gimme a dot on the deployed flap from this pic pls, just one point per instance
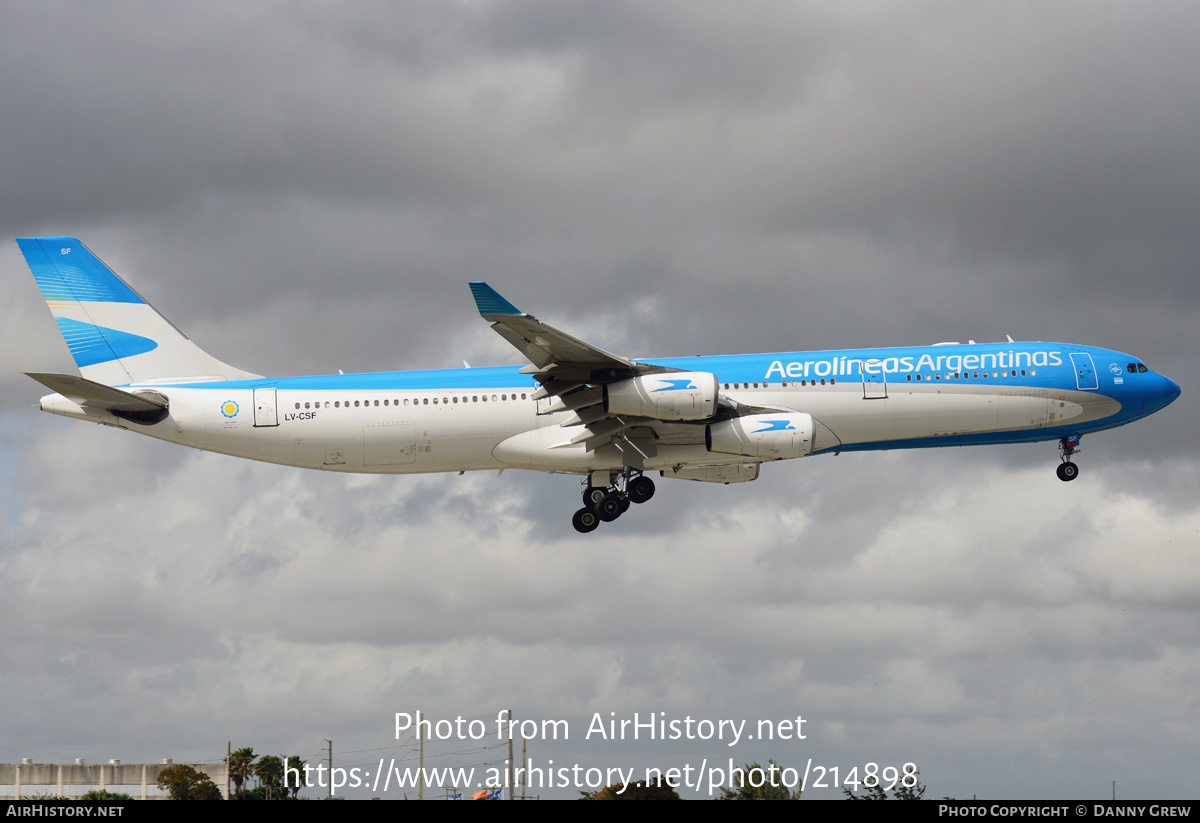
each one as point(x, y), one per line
point(97, 395)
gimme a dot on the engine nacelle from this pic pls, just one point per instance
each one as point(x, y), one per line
point(670, 396)
point(733, 473)
point(766, 436)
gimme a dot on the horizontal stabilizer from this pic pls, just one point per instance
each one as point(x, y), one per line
point(96, 395)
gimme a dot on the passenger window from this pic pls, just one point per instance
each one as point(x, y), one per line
point(406, 401)
point(298, 405)
point(356, 404)
point(425, 401)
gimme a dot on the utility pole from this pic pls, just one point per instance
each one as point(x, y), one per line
point(511, 794)
point(420, 759)
point(330, 742)
point(524, 766)
point(228, 754)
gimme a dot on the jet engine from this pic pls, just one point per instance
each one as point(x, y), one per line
point(669, 396)
point(765, 436)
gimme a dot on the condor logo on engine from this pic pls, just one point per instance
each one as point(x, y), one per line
point(775, 426)
point(672, 385)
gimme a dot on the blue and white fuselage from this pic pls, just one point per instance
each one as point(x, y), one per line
point(575, 408)
point(483, 418)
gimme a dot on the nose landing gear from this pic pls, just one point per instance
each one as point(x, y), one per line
point(1067, 448)
point(607, 504)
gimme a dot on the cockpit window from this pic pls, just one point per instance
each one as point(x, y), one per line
point(1132, 368)
point(1142, 368)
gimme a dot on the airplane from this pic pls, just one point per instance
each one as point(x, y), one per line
point(574, 409)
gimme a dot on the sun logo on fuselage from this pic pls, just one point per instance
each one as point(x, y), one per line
point(229, 408)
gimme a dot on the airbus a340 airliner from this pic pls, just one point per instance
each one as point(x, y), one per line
point(575, 409)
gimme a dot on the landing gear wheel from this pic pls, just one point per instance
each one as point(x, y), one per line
point(611, 507)
point(624, 504)
point(585, 520)
point(592, 496)
point(1067, 472)
point(641, 489)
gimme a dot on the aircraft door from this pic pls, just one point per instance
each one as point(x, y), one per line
point(1085, 370)
point(265, 408)
point(874, 380)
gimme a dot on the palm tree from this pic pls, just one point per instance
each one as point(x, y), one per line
point(241, 767)
point(269, 771)
point(294, 785)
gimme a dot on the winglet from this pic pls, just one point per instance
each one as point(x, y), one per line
point(491, 304)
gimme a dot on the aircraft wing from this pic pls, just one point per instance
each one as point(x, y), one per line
point(572, 371)
point(546, 347)
point(561, 363)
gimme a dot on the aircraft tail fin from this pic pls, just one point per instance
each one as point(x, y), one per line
point(115, 336)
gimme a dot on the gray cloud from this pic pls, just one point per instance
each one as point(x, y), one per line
point(303, 189)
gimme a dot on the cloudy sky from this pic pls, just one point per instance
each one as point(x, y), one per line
point(307, 187)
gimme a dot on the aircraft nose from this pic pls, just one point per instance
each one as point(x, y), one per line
point(1169, 390)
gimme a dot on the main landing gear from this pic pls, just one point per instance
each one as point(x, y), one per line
point(607, 504)
point(1067, 448)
